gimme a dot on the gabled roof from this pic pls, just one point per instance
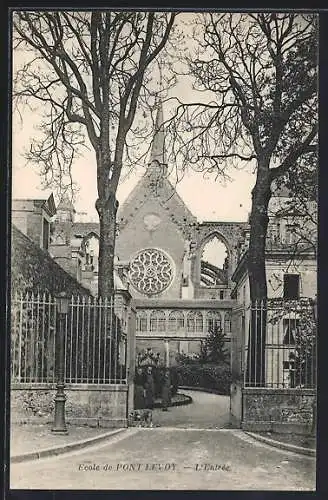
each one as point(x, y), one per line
point(165, 194)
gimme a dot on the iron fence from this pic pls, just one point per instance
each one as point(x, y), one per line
point(95, 340)
point(280, 347)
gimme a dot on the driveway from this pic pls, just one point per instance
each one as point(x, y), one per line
point(207, 411)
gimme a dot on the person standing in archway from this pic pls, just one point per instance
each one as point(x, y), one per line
point(139, 389)
point(149, 388)
point(166, 390)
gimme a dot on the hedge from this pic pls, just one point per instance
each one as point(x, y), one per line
point(206, 375)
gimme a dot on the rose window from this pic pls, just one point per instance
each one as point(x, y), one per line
point(151, 271)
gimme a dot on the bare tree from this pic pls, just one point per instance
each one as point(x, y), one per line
point(260, 71)
point(91, 72)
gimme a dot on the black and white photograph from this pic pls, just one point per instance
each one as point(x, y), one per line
point(163, 276)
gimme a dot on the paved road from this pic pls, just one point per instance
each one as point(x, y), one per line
point(166, 458)
point(207, 411)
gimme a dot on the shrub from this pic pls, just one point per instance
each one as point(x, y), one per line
point(205, 375)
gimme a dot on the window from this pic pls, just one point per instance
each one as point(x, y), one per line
point(199, 322)
point(290, 326)
point(227, 322)
point(153, 321)
point(176, 320)
point(161, 321)
point(221, 294)
point(213, 320)
point(157, 321)
point(141, 321)
point(291, 286)
point(290, 234)
point(191, 322)
point(46, 229)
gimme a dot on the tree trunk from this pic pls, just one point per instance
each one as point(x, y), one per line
point(257, 279)
point(107, 210)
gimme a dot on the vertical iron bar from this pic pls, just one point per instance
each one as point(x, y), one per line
point(20, 338)
point(255, 357)
point(105, 338)
point(262, 353)
point(14, 341)
point(37, 367)
point(66, 339)
point(26, 338)
point(111, 340)
point(115, 346)
point(280, 320)
point(71, 341)
point(99, 337)
point(94, 339)
point(82, 339)
point(32, 347)
point(88, 339)
point(76, 353)
point(43, 336)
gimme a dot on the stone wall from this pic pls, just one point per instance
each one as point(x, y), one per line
point(278, 410)
point(86, 404)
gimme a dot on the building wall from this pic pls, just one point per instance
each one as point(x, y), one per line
point(135, 237)
point(28, 217)
point(275, 270)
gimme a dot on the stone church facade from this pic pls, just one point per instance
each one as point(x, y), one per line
point(179, 296)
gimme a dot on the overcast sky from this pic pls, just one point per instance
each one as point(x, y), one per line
point(207, 198)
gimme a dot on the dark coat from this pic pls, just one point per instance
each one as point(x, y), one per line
point(150, 390)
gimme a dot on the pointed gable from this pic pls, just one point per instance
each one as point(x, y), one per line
point(165, 195)
point(154, 185)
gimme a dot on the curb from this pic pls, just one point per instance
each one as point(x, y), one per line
point(183, 402)
point(201, 389)
point(283, 446)
point(58, 450)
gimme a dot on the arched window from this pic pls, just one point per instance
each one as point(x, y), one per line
point(161, 321)
point(176, 321)
point(157, 321)
point(214, 263)
point(191, 321)
point(213, 320)
point(141, 321)
point(227, 322)
point(199, 321)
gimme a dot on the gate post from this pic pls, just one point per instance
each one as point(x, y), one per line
point(131, 356)
point(237, 363)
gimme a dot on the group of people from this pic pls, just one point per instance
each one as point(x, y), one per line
point(151, 382)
